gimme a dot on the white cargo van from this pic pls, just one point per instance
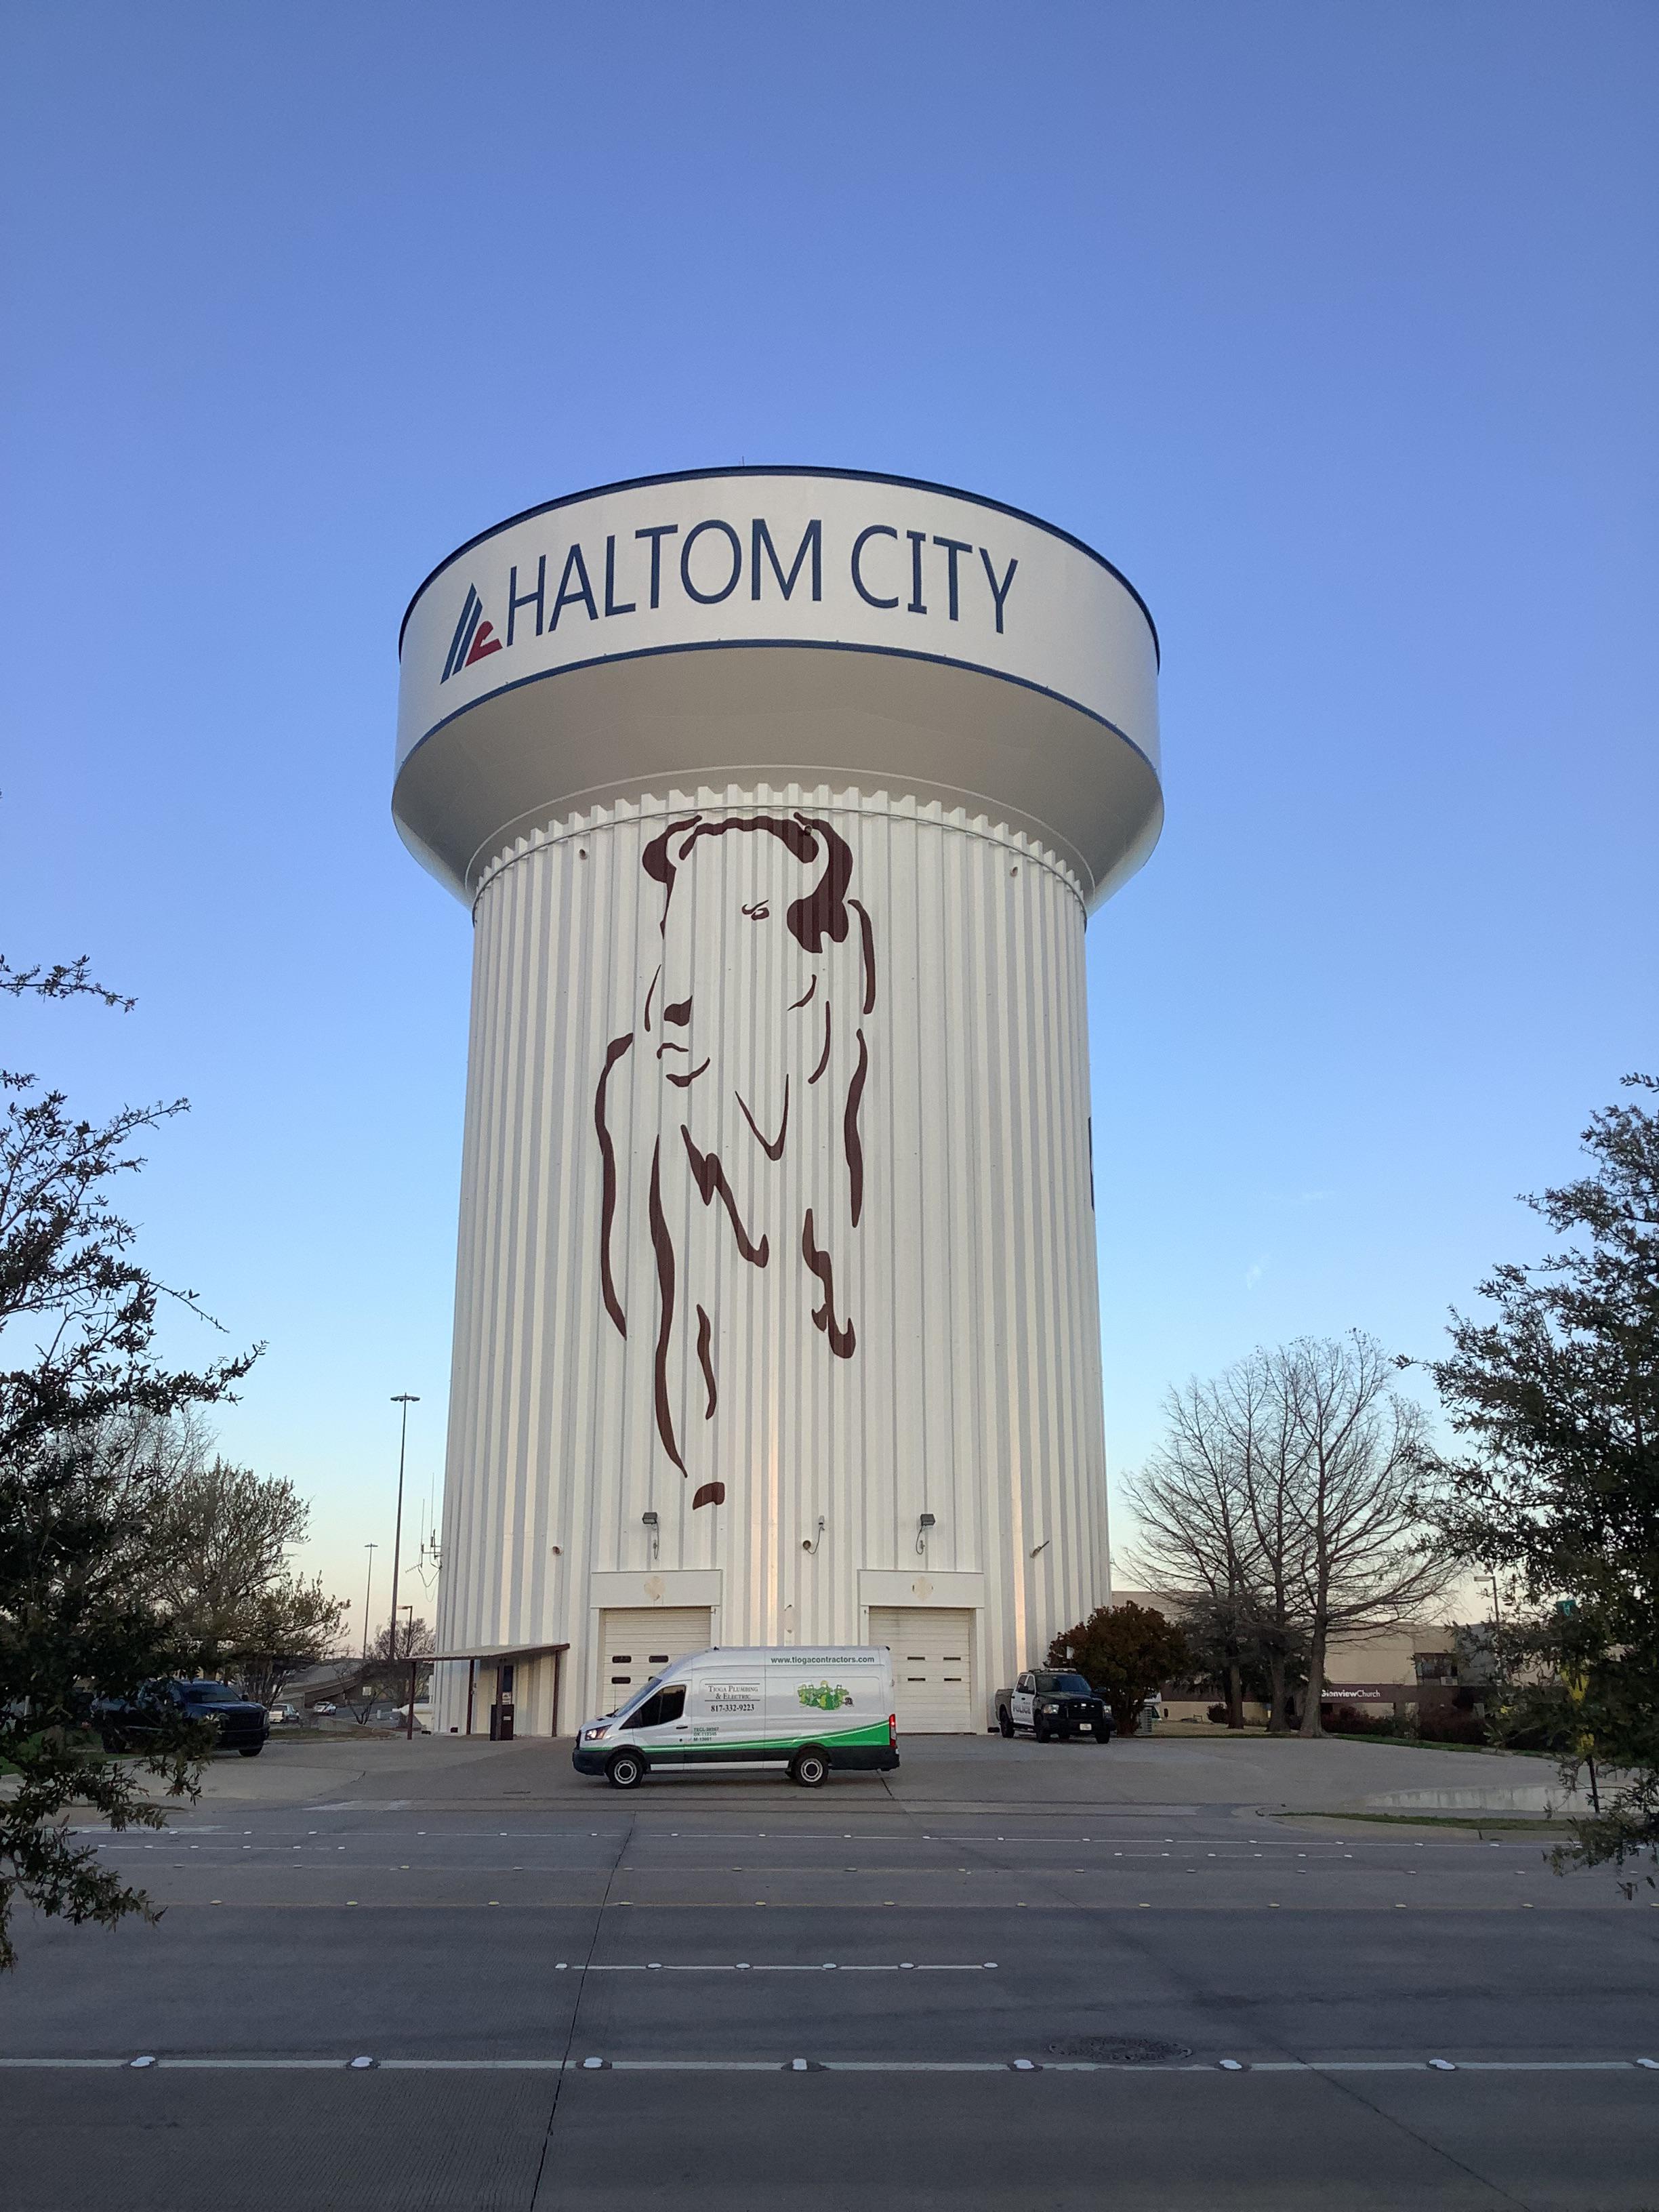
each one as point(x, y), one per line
point(809, 1711)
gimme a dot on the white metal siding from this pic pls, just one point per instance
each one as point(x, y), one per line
point(974, 1393)
point(932, 1649)
point(634, 1645)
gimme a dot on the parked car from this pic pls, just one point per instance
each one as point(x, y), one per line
point(1053, 1704)
point(124, 1723)
point(283, 1714)
point(326, 1708)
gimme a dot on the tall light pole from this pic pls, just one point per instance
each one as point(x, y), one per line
point(406, 1399)
point(368, 1591)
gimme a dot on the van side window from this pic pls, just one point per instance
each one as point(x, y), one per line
point(667, 1705)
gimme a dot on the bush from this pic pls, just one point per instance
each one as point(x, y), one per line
point(1349, 1720)
point(1218, 1714)
point(1445, 1724)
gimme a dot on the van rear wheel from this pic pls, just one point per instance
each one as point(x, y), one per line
point(626, 1771)
point(810, 1768)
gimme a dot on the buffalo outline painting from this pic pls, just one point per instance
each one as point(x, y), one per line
point(726, 1110)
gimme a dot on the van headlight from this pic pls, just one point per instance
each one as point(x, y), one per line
point(594, 1734)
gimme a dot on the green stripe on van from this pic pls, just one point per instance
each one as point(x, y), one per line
point(873, 1732)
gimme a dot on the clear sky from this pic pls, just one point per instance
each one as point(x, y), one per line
point(1333, 327)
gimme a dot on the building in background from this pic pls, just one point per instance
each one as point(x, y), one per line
point(778, 798)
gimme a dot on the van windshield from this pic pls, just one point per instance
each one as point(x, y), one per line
point(627, 1712)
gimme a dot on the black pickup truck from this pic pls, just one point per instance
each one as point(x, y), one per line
point(1054, 1704)
point(128, 1723)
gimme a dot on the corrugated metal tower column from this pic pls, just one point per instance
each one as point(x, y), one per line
point(795, 1225)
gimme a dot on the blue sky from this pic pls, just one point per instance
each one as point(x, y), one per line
point(1333, 326)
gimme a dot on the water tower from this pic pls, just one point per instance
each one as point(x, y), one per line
point(780, 798)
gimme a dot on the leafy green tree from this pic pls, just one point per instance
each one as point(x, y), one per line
point(1127, 1651)
point(289, 1625)
point(84, 1401)
point(220, 1538)
point(1556, 1395)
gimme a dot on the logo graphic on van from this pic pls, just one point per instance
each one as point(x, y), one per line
point(829, 1697)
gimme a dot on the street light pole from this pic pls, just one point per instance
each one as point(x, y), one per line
point(409, 1652)
point(368, 1591)
point(404, 1399)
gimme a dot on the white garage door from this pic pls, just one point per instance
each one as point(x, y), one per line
point(932, 1649)
point(634, 1646)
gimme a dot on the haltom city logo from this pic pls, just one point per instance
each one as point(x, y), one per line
point(474, 638)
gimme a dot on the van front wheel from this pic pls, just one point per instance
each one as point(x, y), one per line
point(810, 1768)
point(626, 1771)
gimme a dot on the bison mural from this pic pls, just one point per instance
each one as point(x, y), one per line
point(752, 1033)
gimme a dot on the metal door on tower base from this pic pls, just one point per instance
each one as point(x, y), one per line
point(932, 1649)
point(635, 1644)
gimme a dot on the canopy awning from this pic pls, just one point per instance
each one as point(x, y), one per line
point(495, 1653)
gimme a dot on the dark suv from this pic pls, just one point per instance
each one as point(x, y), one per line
point(124, 1723)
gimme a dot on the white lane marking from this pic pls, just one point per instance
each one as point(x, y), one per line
point(859, 2065)
point(76, 2061)
point(703, 2065)
point(924, 2066)
point(813, 1967)
point(258, 2065)
point(477, 2065)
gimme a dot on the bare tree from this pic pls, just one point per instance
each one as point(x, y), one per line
point(1190, 1500)
point(1286, 1508)
point(386, 1673)
point(1218, 1527)
point(1363, 1562)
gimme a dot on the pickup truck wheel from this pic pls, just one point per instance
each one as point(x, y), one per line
point(1040, 1731)
point(810, 1768)
point(1004, 1723)
point(626, 1771)
point(250, 1750)
point(1103, 1732)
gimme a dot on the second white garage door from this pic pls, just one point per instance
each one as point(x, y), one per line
point(932, 1649)
point(635, 1645)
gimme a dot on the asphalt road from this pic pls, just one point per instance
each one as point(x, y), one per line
point(1026, 1981)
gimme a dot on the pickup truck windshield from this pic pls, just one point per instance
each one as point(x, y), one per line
point(209, 1693)
point(1065, 1686)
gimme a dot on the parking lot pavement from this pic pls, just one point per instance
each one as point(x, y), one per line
point(739, 1993)
point(1206, 1768)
